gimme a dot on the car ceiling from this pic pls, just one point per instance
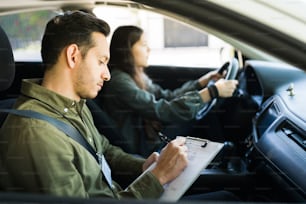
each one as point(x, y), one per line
point(224, 23)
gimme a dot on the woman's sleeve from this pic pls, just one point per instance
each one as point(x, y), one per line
point(168, 94)
point(181, 108)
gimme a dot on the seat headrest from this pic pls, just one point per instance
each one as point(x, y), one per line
point(7, 63)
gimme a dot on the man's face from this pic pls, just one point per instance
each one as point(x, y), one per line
point(92, 70)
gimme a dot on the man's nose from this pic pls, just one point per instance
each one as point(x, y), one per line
point(106, 74)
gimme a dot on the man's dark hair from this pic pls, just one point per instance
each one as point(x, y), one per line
point(123, 39)
point(72, 27)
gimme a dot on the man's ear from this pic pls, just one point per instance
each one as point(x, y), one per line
point(72, 55)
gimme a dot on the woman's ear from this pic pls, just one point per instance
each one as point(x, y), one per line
point(72, 55)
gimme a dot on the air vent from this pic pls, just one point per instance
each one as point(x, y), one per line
point(276, 108)
point(294, 134)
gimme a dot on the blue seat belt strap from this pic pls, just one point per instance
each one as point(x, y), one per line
point(69, 130)
point(64, 127)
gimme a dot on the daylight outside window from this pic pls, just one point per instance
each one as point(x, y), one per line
point(26, 45)
point(172, 43)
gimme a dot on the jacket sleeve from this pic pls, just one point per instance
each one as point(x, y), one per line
point(184, 107)
point(46, 160)
point(144, 186)
point(52, 163)
point(168, 94)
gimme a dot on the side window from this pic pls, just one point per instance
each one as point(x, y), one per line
point(25, 31)
point(171, 42)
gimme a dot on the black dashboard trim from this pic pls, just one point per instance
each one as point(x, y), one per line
point(279, 150)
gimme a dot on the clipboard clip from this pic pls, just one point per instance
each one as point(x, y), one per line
point(205, 141)
point(204, 144)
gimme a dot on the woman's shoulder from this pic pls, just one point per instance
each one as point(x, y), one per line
point(119, 80)
point(119, 75)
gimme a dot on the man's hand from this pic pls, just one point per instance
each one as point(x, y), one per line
point(150, 160)
point(172, 161)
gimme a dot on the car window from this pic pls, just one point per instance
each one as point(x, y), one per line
point(168, 39)
point(25, 31)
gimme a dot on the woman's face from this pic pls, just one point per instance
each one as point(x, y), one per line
point(140, 52)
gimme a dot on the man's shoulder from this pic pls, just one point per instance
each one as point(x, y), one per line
point(20, 124)
point(18, 129)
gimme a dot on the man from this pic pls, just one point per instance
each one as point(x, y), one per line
point(37, 157)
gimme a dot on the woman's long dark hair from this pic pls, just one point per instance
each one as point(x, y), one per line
point(123, 39)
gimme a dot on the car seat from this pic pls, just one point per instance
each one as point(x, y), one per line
point(7, 64)
point(107, 126)
point(7, 73)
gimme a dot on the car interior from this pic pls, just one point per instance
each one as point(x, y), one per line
point(263, 127)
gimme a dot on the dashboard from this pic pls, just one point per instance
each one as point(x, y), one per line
point(279, 127)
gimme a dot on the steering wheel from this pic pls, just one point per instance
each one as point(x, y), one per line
point(232, 69)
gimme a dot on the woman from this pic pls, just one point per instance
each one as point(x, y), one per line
point(141, 108)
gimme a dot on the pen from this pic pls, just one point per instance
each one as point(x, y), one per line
point(164, 138)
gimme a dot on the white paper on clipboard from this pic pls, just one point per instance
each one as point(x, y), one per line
point(199, 157)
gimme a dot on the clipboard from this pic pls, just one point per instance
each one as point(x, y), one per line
point(200, 154)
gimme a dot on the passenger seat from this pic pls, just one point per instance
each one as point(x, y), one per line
point(7, 73)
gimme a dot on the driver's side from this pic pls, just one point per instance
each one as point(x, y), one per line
point(141, 108)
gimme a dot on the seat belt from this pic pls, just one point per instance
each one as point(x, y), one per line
point(72, 132)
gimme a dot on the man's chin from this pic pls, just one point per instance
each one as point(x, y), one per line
point(94, 96)
point(91, 96)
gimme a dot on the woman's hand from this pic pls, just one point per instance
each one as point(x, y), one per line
point(226, 88)
point(212, 75)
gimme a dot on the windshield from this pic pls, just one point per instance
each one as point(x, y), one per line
point(287, 16)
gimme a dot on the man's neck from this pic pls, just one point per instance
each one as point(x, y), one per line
point(59, 83)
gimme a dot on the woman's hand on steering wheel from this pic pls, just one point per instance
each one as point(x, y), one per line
point(230, 70)
point(214, 75)
point(226, 88)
